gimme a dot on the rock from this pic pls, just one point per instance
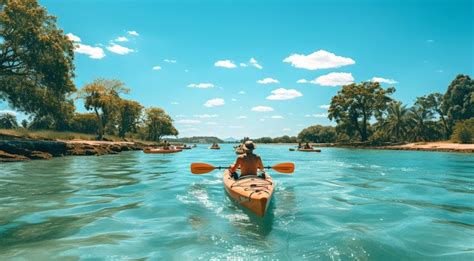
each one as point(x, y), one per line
point(7, 157)
point(25, 147)
point(40, 155)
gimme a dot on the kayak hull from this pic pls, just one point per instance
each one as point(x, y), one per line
point(252, 192)
point(309, 150)
point(161, 151)
point(211, 148)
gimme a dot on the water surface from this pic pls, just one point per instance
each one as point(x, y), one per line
point(339, 204)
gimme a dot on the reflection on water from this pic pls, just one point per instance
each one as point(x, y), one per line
point(340, 204)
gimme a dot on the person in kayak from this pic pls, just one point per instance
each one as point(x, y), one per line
point(248, 162)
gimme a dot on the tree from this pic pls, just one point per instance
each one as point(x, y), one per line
point(129, 116)
point(8, 121)
point(36, 62)
point(158, 124)
point(24, 124)
point(458, 101)
point(464, 131)
point(355, 104)
point(433, 103)
point(318, 134)
point(396, 123)
point(84, 123)
point(103, 98)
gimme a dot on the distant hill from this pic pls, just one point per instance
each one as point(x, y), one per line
point(198, 139)
point(231, 140)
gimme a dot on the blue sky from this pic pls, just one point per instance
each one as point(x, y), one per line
point(418, 45)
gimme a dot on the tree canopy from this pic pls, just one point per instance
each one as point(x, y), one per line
point(158, 124)
point(36, 62)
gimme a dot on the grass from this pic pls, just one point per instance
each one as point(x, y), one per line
point(50, 135)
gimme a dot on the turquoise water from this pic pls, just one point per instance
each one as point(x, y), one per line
point(340, 204)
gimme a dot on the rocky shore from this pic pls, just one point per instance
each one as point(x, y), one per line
point(440, 146)
point(12, 150)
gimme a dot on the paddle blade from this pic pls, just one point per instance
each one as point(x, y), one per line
point(287, 167)
point(201, 168)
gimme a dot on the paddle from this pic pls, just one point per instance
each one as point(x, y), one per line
point(202, 168)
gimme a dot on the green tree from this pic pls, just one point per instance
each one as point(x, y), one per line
point(318, 134)
point(464, 131)
point(24, 124)
point(8, 121)
point(355, 104)
point(158, 124)
point(129, 116)
point(103, 98)
point(396, 124)
point(84, 123)
point(433, 104)
point(458, 101)
point(36, 62)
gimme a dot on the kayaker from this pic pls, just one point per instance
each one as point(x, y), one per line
point(166, 145)
point(248, 162)
point(307, 146)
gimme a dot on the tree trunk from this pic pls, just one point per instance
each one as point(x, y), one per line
point(100, 131)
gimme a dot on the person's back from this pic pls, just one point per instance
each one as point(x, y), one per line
point(249, 163)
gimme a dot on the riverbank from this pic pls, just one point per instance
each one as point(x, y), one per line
point(440, 146)
point(15, 146)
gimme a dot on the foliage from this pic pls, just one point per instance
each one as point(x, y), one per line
point(318, 134)
point(198, 139)
point(129, 116)
point(432, 104)
point(84, 123)
point(458, 101)
point(103, 98)
point(158, 124)
point(464, 131)
point(355, 104)
point(36, 62)
point(285, 139)
point(8, 121)
point(24, 124)
point(395, 126)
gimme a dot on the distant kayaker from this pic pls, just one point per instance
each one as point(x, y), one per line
point(166, 145)
point(307, 146)
point(248, 162)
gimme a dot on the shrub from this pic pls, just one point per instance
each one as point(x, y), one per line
point(464, 131)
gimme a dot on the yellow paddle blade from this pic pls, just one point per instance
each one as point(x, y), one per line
point(201, 168)
point(287, 167)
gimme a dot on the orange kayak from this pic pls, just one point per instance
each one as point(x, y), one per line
point(251, 192)
point(161, 151)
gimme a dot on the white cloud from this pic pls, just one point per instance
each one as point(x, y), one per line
point(242, 117)
point(211, 123)
point(262, 109)
point(206, 116)
point(317, 115)
point(73, 37)
point(169, 61)
point(262, 119)
point(180, 116)
point(225, 64)
point(383, 80)
point(156, 68)
point(93, 52)
point(277, 117)
point(188, 121)
point(334, 79)
point(254, 63)
point(286, 129)
point(326, 107)
point(318, 60)
point(242, 92)
point(174, 103)
point(234, 100)
point(118, 49)
point(121, 39)
point(302, 81)
point(201, 85)
point(134, 33)
point(284, 94)
point(243, 65)
point(268, 80)
point(214, 102)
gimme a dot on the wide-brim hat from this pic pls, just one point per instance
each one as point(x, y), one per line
point(249, 145)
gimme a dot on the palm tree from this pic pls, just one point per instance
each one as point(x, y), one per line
point(8, 121)
point(418, 119)
point(396, 123)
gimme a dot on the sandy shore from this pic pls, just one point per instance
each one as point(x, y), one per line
point(433, 146)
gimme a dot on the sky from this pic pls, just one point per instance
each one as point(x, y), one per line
point(264, 68)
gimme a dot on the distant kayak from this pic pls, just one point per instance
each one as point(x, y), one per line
point(291, 149)
point(184, 147)
point(161, 151)
point(309, 150)
point(251, 192)
point(214, 148)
